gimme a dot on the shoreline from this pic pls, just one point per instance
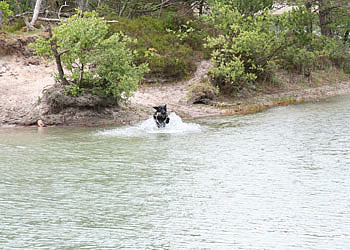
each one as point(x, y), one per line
point(222, 109)
point(21, 84)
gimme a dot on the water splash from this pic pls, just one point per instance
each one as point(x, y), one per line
point(175, 126)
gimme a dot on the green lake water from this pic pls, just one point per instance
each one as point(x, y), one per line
point(279, 179)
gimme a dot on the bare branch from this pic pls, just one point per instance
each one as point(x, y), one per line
point(36, 12)
point(62, 52)
point(52, 20)
point(28, 24)
point(59, 11)
point(163, 5)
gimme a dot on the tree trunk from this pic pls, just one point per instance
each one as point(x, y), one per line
point(36, 12)
point(1, 17)
point(325, 19)
point(100, 3)
point(81, 75)
point(325, 30)
point(123, 8)
point(83, 4)
point(346, 36)
point(29, 26)
point(53, 44)
point(308, 6)
point(161, 9)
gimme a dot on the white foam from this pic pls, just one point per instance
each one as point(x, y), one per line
point(175, 126)
point(7, 126)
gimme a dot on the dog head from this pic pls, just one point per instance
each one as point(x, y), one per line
point(161, 109)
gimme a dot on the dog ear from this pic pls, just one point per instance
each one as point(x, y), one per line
point(156, 108)
point(165, 107)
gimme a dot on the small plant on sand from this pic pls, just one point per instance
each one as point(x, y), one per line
point(95, 60)
point(202, 92)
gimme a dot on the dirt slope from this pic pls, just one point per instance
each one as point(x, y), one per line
point(21, 83)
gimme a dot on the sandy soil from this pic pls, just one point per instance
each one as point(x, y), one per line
point(21, 83)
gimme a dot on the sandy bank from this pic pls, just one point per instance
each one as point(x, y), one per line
point(21, 85)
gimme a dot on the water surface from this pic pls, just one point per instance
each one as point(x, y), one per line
point(274, 180)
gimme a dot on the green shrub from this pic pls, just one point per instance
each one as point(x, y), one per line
point(298, 60)
point(167, 55)
point(338, 54)
point(242, 54)
point(320, 53)
point(202, 92)
point(94, 60)
point(307, 51)
point(4, 8)
point(17, 25)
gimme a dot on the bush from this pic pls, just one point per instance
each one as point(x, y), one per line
point(338, 54)
point(299, 60)
point(202, 93)
point(94, 60)
point(166, 54)
point(321, 53)
point(308, 51)
point(15, 27)
point(243, 52)
point(6, 12)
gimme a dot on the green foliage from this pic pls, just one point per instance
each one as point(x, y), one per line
point(4, 8)
point(94, 59)
point(118, 76)
point(202, 90)
point(20, 6)
point(308, 51)
point(242, 54)
point(16, 26)
point(74, 90)
point(168, 56)
point(248, 8)
point(298, 59)
point(184, 31)
point(295, 26)
point(248, 48)
point(81, 37)
point(41, 47)
point(337, 52)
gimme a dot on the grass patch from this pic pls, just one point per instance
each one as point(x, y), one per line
point(18, 27)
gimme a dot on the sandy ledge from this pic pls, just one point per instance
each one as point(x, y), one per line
point(22, 83)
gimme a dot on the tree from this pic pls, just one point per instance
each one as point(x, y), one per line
point(333, 15)
point(93, 59)
point(36, 12)
point(246, 7)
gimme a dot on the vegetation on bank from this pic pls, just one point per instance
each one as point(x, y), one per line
point(245, 41)
point(94, 60)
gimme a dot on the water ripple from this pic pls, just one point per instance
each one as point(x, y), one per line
point(274, 180)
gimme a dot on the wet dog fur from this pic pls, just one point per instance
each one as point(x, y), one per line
point(161, 116)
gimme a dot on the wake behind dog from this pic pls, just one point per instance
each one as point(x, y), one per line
point(148, 127)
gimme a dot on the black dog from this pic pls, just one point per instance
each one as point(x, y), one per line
point(161, 116)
